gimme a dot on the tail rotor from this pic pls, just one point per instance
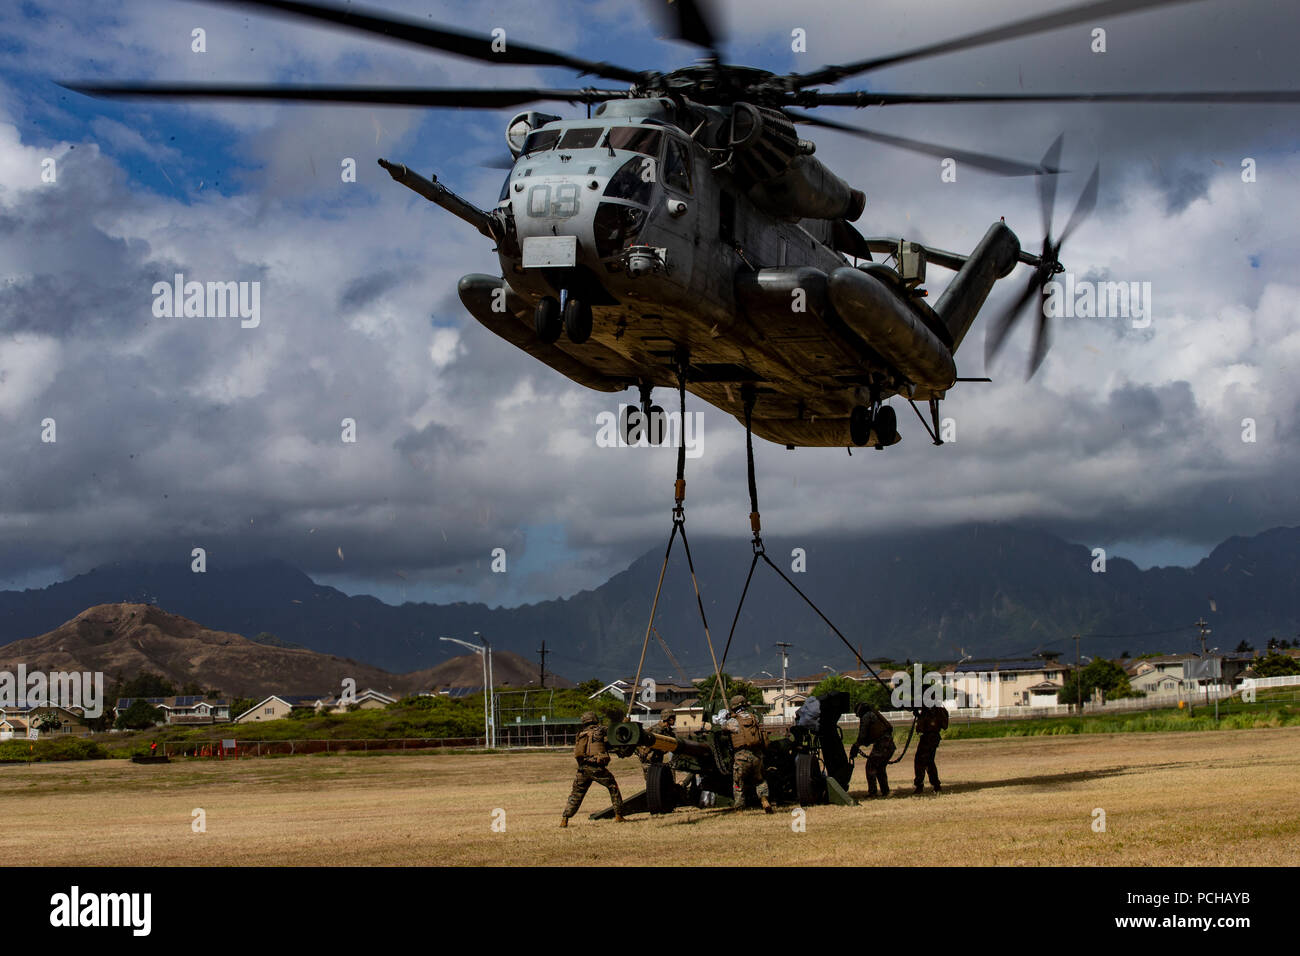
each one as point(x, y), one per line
point(1046, 265)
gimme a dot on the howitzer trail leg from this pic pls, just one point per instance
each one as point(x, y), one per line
point(606, 779)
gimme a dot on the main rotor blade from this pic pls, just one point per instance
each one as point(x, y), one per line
point(382, 23)
point(373, 95)
point(1047, 185)
point(863, 98)
point(693, 22)
point(1084, 207)
point(1020, 28)
point(996, 164)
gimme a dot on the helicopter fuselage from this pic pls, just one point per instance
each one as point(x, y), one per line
point(627, 212)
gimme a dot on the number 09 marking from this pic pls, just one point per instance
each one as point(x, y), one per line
point(562, 204)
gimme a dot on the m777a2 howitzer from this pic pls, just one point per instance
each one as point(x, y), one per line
point(806, 767)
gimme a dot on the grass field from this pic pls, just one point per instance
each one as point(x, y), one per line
point(1169, 799)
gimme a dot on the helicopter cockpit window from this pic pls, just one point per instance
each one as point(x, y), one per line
point(583, 138)
point(634, 181)
point(636, 138)
point(614, 226)
point(677, 166)
point(541, 140)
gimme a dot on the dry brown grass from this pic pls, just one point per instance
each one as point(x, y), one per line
point(1170, 799)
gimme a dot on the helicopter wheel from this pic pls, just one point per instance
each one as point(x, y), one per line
point(632, 424)
point(577, 320)
point(546, 319)
point(860, 423)
point(656, 424)
point(886, 426)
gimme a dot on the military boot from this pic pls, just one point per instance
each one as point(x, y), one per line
point(619, 818)
point(767, 805)
point(918, 790)
point(564, 821)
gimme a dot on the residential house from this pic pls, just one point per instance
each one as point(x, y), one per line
point(365, 700)
point(21, 721)
point(278, 706)
point(1021, 683)
point(185, 710)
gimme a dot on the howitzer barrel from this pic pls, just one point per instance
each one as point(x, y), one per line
point(439, 194)
point(632, 734)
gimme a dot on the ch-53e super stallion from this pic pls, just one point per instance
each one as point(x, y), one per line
point(684, 235)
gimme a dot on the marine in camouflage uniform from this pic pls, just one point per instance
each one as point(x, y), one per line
point(592, 755)
point(648, 755)
point(930, 723)
point(876, 732)
point(747, 754)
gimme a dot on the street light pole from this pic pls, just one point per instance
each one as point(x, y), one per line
point(484, 653)
point(492, 712)
point(785, 700)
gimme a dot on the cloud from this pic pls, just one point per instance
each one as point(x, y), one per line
point(175, 433)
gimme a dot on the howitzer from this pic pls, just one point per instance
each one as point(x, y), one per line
point(705, 762)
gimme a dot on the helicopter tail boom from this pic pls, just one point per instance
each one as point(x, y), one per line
point(993, 259)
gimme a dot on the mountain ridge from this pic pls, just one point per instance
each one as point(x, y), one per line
point(988, 589)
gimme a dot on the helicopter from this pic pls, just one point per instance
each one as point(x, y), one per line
point(683, 235)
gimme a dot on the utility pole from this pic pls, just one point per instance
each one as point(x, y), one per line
point(542, 651)
point(1078, 675)
point(1203, 624)
point(785, 659)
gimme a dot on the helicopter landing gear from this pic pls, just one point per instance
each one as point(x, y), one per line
point(577, 320)
point(652, 421)
point(860, 420)
point(546, 320)
point(886, 424)
point(883, 421)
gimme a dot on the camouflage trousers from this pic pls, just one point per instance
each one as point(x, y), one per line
point(878, 764)
point(924, 764)
point(582, 780)
point(747, 766)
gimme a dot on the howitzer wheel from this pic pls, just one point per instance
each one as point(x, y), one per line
point(660, 790)
point(808, 783)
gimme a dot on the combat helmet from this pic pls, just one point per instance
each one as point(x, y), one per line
point(588, 717)
point(737, 702)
